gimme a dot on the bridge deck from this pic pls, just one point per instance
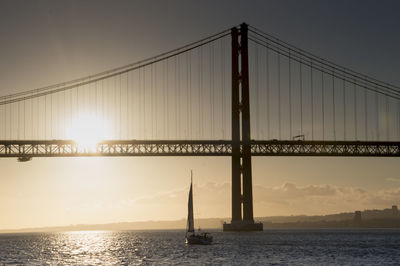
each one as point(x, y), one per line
point(68, 148)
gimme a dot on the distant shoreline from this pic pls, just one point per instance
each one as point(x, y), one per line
point(277, 227)
point(385, 219)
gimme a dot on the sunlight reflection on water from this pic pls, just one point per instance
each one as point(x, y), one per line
point(82, 247)
point(298, 247)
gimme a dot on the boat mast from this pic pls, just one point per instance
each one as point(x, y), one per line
point(190, 221)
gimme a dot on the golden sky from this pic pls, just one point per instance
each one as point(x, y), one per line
point(47, 42)
point(63, 191)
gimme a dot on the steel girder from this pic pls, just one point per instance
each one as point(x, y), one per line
point(325, 148)
point(69, 148)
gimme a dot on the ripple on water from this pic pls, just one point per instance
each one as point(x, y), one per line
point(300, 247)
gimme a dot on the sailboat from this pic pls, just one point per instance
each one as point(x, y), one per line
point(191, 237)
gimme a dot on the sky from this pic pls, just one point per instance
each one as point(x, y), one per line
point(47, 42)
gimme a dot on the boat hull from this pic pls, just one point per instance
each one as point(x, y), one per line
point(198, 240)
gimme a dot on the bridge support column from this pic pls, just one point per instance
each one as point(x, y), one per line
point(241, 145)
point(236, 164)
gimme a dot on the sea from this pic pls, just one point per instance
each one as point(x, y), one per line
point(270, 247)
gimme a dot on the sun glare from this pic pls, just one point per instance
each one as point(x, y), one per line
point(87, 130)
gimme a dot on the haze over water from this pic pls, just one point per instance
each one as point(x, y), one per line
point(290, 246)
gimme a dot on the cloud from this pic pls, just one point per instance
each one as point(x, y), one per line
point(321, 199)
point(391, 179)
point(214, 200)
point(210, 200)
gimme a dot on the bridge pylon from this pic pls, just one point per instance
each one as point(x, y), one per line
point(242, 191)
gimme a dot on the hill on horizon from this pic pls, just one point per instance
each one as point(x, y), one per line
point(212, 223)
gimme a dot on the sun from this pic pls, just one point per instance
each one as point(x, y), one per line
point(88, 130)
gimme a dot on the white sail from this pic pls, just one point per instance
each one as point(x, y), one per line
point(192, 238)
point(190, 220)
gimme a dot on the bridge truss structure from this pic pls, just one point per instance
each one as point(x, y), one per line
point(25, 150)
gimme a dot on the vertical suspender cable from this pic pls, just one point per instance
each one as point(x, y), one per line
point(257, 92)
point(50, 96)
point(37, 117)
point(312, 100)
point(211, 88)
point(6, 107)
point(152, 98)
point(323, 106)
point(135, 106)
point(387, 117)
point(156, 102)
point(70, 111)
point(187, 97)
point(144, 104)
point(279, 97)
point(45, 117)
point(366, 114)
point(290, 96)
point(102, 99)
point(201, 92)
point(153, 103)
point(164, 98)
point(333, 106)
point(267, 94)
point(4, 125)
point(10, 120)
point(398, 120)
point(7, 127)
point(175, 98)
point(301, 97)
point(178, 72)
point(95, 97)
point(344, 109)
point(18, 115)
point(140, 104)
point(75, 116)
point(135, 87)
point(223, 86)
point(107, 100)
point(24, 118)
point(120, 107)
point(10, 114)
point(65, 115)
point(200, 58)
point(35, 130)
point(115, 108)
point(51, 116)
point(57, 117)
point(167, 99)
point(31, 133)
point(190, 94)
point(5, 120)
point(128, 113)
point(377, 115)
point(355, 111)
point(134, 109)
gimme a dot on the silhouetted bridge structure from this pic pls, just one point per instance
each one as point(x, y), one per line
point(195, 101)
point(68, 148)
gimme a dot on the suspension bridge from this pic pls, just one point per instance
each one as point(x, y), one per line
point(195, 101)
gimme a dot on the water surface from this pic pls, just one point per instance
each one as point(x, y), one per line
point(292, 246)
